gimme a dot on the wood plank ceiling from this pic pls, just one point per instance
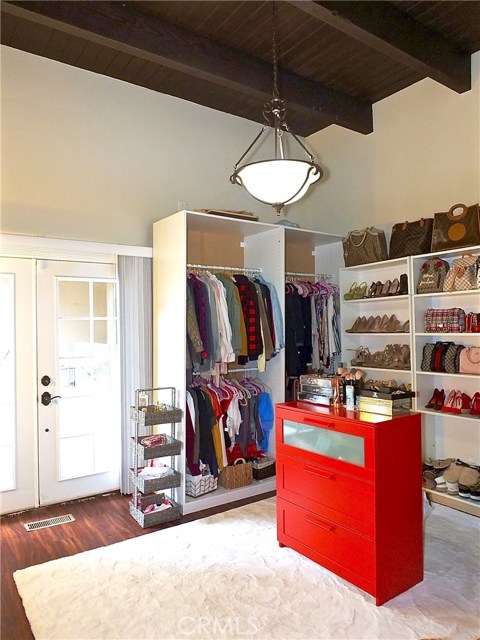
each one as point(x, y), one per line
point(336, 58)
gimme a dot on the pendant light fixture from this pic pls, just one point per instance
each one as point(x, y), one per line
point(281, 180)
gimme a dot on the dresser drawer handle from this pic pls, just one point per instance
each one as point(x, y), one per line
point(315, 423)
point(321, 524)
point(319, 472)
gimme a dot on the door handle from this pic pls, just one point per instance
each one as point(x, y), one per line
point(47, 398)
point(45, 381)
point(319, 523)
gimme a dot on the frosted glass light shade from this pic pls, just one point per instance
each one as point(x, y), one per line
point(278, 181)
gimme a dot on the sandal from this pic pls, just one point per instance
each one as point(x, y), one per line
point(360, 291)
point(350, 292)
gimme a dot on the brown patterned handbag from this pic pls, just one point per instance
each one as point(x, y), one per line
point(364, 246)
point(454, 230)
point(411, 238)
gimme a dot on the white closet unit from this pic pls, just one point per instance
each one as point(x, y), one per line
point(189, 237)
point(446, 435)
point(398, 305)
point(194, 238)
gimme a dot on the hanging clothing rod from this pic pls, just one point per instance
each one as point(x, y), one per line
point(200, 373)
point(211, 267)
point(311, 275)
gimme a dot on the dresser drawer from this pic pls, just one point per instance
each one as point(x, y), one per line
point(331, 494)
point(342, 445)
point(343, 547)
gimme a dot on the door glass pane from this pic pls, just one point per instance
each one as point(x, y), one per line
point(74, 298)
point(7, 383)
point(88, 411)
point(103, 299)
point(334, 444)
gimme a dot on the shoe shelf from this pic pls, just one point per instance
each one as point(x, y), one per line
point(150, 421)
point(444, 434)
point(467, 505)
point(382, 299)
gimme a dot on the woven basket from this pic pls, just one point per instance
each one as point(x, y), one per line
point(236, 475)
point(147, 485)
point(151, 416)
point(199, 485)
point(157, 517)
point(171, 447)
point(263, 468)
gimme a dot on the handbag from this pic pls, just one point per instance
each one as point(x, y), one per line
point(364, 246)
point(445, 320)
point(454, 231)
point(470, 361)
point(472, 322)
point(462, 274)
point(411, 238)
point(441, 357)
point(432, 275)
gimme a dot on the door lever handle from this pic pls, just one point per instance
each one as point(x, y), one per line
point(47, 398)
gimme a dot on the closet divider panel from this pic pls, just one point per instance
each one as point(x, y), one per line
point(169, 317)
point(266, 251)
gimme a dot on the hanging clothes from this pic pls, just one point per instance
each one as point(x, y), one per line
point(229, 420)
point(238, 319)
point(312, 337)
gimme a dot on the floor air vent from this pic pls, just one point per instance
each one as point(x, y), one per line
point(49, 522)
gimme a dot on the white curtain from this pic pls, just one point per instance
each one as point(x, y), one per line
point(136, 362)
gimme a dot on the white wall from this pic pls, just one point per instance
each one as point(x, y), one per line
point(88, 157)
point(423, 156)
point(91, 158)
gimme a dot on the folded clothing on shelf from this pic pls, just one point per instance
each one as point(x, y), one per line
point(155, 471)
point(154, 441)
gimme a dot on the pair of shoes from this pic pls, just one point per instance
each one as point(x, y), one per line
point(356, 292)
point(475, 405)
point(362, 356)
point(382, 289)
point(461, 474)
point(457, 402)
point(437, 400)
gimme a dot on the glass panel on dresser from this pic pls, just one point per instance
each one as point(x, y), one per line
point(334, 444)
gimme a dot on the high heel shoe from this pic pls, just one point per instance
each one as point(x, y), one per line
point(356, 325)
point(360, 291)
point(369, 326)
point(466, 403)
point(403, 290)
point(393, 325)
point(433, 400)
point(475, 405)
point(350, 292)
point(382, 325)
point(440, 401)
point(373, 288)
point(448, 404)
point(385, 288)
point(405, 328)
point(376, 327)
point(457, 403)
point(394, 288)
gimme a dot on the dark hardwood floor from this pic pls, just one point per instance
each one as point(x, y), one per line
point(99, 521)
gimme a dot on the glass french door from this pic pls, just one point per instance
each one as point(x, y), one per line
point(72, 444)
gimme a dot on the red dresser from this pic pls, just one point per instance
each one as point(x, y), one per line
point(349, 494)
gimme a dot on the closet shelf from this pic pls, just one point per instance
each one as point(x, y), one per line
point(442, 294)
point(450, 334)
point(377, 299)
point(467, 505)
point(461, 416)
point(464, 376)
point(378, 333)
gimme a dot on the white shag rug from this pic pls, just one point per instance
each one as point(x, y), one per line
point(226, 577)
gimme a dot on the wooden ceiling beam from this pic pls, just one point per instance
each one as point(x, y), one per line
point(386, 29)
point(123, 28)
